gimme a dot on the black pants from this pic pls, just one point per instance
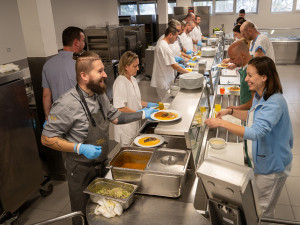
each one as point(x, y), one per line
point(79, 175)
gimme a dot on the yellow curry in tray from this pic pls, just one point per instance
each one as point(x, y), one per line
point(165, 115)
point(148, 141)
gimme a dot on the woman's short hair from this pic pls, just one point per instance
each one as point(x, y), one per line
point(84, 62)
point(126, 59)
point(266, 66)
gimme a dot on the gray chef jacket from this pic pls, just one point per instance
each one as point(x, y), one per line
point(68, 119)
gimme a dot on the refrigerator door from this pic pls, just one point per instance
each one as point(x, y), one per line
point(20, 167)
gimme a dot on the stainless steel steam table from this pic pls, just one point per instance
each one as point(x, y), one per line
point(153, 210)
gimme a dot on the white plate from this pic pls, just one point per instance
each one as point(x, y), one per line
point(168, 110)
point(161, 140)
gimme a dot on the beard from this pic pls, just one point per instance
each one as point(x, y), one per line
point(97, 87)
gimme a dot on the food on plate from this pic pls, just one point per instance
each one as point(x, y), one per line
point(117, 192)
point(148, 141)
point(234, 88)
point(192, 64)
point(189, 69)
point(224, 64)
point(165, 115)
point(160, 106)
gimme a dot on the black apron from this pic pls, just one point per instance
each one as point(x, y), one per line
point(80, 170)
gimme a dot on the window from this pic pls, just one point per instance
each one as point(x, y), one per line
point(250, 6)
point(282, 6)
point(223, 6)
point(147, 9)
point(205, 3)
point(128, 9)
point(298, 5)
point(171, 7)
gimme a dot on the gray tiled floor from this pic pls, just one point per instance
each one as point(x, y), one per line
point(288, 207)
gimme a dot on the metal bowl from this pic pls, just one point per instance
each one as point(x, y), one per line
point(107, 183)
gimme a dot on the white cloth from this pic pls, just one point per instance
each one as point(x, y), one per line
point(186, 41)
point(262, 42)
point(175, 48)
point(126, 94)
point(108, 208)
point(163, 73)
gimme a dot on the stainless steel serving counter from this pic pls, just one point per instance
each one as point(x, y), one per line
point(186, 102)
point(154, 210)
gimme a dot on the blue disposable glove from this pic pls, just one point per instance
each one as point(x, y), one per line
point(89, 151)
point(148, 113)
point(189, 52)
point(44, 124)
point(140, 110)
point(178, 59)
point(182, 66)
point(199, 43)
point(151, 104)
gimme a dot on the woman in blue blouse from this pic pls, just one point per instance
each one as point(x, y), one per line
point(269, 132)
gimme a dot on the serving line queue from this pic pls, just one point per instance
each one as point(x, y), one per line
point(78, 120)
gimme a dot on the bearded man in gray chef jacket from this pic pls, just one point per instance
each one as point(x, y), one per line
point(78, 124)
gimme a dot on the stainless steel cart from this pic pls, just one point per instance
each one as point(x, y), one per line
point(70, 215)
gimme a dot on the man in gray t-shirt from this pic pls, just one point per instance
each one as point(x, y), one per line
point(59, 74)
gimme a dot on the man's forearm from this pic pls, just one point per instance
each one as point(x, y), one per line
point(128, 117)
point(58, 143)
point(179, 68)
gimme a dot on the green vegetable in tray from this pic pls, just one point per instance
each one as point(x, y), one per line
point(116, 192)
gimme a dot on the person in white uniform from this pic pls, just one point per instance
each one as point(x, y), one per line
point(260, 44)
point(196, 33)
point(185, 38)
point(269, 132)
point(165, 64)
point(189, 17)
point(127, 97)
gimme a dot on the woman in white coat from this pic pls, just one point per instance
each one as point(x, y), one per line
point(127, 97)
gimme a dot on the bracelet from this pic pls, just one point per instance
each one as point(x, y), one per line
point(77, 149)
point(231, 111)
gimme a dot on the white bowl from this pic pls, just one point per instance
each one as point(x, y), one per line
point(217, 143)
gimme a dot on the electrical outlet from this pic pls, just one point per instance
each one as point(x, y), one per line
point(8, 49)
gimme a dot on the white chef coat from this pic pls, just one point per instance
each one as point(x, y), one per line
point(163, 73)
point(175, 48)
point(262, 42)
point(196, 35)
point(186, 41)
point(126, 94)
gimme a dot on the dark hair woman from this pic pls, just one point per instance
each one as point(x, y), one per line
point(268, 132)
